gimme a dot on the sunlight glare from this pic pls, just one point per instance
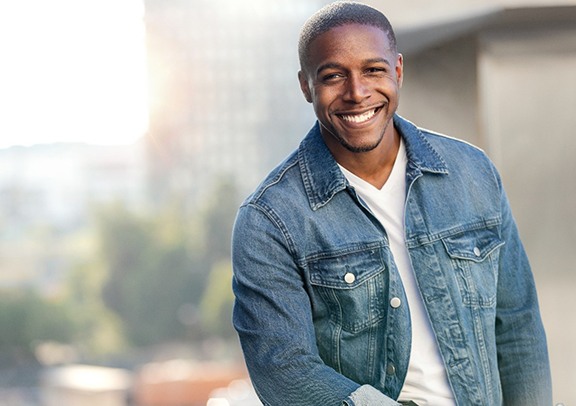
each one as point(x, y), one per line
point(72, 71)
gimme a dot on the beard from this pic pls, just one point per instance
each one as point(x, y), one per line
point(367, 147)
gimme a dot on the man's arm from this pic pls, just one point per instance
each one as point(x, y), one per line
point(273, 317)
point(520, 338)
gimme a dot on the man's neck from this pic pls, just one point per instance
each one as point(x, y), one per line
point(373, 166)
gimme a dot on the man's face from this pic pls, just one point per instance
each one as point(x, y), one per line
point(352, 79)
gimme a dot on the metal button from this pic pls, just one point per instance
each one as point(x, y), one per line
point(477, 251)
point(395, 302)
point(390, 369)
point(349, 277)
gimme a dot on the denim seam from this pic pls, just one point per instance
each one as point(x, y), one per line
point(482, 348)
point(351, 249)
point(274, 180)
point(423, 239)
point(275, 219)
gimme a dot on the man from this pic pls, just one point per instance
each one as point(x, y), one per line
point(380, 264)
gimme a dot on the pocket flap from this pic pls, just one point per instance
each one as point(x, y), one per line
point(347, 270)
point(474, 245)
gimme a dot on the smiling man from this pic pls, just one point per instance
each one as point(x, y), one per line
point(379, 264)
point(352, 74)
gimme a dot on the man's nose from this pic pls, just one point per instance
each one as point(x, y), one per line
point(356, 89)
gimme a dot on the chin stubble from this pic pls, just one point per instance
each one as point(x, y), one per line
point(361, 148)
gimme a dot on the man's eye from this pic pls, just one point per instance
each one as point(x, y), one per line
point(331, 77)
point(376, 70)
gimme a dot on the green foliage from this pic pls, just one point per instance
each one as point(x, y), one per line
point(98, 329)
point(169, 274)
point(217, 301)
point(26, 318)
point(218, 215)
point(136, 279)
point(65, 309)
point(150, 274)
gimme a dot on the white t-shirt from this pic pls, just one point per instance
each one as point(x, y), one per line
point(426, 382)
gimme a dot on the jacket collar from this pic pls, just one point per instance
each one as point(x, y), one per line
point(323, 178)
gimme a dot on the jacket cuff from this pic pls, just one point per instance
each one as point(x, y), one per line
point(367, 395)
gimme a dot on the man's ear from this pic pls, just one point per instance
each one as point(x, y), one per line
point(400, 70)
point(304, 86)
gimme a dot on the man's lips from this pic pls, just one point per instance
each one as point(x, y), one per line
point(359, 118)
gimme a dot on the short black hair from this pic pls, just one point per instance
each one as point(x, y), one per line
point(338, 14)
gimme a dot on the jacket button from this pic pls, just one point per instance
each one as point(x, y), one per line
point(390, 369)
point(477, 251)
point(395, 302)
point(349, 277)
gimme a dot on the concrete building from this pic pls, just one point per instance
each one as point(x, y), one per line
point(219, 70)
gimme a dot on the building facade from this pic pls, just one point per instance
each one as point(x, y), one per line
point(225, 102)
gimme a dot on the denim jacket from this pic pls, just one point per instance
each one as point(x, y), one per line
point(314, 278)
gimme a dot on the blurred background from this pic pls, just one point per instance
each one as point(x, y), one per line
point(131, 130)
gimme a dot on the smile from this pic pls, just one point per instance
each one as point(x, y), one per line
point(359, 118)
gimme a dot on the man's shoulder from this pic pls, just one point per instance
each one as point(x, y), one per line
point(441, 139)
point(278, 183)
point(297, 180)
point(455, 149)
point(448, 147)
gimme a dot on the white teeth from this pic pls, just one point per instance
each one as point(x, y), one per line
point(359, 118)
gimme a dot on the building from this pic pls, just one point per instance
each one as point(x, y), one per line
point(219, 70)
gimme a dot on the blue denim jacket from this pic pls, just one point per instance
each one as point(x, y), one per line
point(313, 336)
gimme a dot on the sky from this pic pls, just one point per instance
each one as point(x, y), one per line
point(72, 71)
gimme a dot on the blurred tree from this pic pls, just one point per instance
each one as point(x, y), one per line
point(141, 279)
point(217, 301)
point(150, 273)
point(218, 213)
point(99, 329)
point(26, 319)
point(169, 274)
point(218, 219)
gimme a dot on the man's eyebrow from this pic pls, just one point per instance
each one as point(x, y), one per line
point(378, 60)
point(328, 65)
point(334, 65)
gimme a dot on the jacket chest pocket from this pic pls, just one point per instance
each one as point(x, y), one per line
point(474, 255)
point(352, 287)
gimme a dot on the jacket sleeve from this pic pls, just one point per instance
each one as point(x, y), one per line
point(273, 318)
point(520, 338)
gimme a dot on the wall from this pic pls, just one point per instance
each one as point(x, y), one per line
point(440, 89)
